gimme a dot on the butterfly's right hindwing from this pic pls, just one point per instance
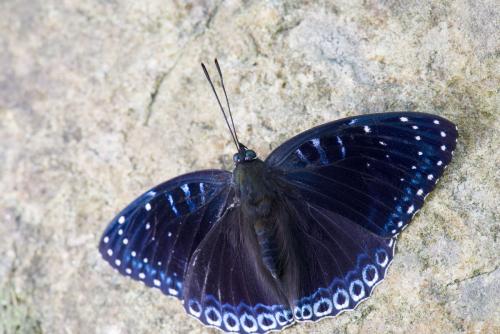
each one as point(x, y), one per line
point(152, 239)
point(227, 285)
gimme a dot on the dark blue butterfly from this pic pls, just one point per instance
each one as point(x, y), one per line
point(306, 234)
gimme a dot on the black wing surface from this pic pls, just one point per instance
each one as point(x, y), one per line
point(154, 237)
point(374, 170)
point(227, 285)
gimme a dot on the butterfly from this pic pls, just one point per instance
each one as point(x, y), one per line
point(305, 234)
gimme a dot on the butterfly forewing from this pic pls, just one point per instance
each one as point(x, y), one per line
point(375, 169)
point(153, 238)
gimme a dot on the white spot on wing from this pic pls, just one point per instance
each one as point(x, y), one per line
point(336, 296)
point(417, 137)
point(121, 220)
point(352, 291)
point(270, 319)
point(443, 134)
point(106, 239)
point(142, 275)
point(125, 241)
point(410, 209)
point(436, 121)
point(339, 141)
point(420, 192)
point(172, 205)
point(147, 206)
point(430, 177)
point(368, 281)
point(156, 282)
point(443, 147)
point(110, 252)
point(439, 163)
point(403, 119)
point(367, 129)
point(202, 192)
point(415, 127)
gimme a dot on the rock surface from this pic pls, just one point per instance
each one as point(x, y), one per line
point(100, 100)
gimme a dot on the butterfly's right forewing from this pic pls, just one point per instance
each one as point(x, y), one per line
point(153, 238)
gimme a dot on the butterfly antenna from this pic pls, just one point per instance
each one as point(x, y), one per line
point(227, 102)
point(233, 135)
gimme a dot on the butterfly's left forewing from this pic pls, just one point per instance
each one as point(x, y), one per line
point(373, 169)
point(153, 238)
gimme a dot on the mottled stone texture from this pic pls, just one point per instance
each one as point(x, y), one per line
point(100, 100)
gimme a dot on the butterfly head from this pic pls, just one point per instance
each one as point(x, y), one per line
point(244, 154)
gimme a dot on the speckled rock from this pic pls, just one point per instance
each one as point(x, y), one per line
point(100, 100)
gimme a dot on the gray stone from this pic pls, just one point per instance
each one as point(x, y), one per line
point(100, 100)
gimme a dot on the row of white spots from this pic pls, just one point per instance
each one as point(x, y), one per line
point(322, 307)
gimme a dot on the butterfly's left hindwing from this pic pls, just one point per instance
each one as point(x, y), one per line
point(374, 169)
point(334, 265)
point(153, 238)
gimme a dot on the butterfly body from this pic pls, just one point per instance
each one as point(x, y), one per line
point(305, 234)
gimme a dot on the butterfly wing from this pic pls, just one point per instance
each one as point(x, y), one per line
point(227, 286)
point(153, 238)
point(334, 264)
point(374, 170)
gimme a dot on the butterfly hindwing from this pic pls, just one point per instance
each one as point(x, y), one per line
point(153, 238)
point(227, 285)
point(338, 263)
point(374, 169)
